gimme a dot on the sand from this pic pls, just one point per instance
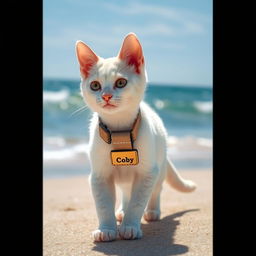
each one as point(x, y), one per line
point(185, 227)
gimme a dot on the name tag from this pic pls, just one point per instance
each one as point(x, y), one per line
point(124, 157)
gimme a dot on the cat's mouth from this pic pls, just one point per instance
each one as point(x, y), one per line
point(109, 106)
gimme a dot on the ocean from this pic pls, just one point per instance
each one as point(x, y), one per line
point(185, 110)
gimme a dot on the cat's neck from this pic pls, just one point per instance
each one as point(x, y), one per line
point(120, 121)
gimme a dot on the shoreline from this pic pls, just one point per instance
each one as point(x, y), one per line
point(86, 173)
point(185, 227)
point(69, 168)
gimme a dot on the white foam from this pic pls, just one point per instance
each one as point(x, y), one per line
point(190, 142)
point(189, 147)
point(159, 104)
point(203, 106)
point(55, 141)
point(58, 154)
point(77, 151)
point(205, 142)
point(58, 96)
point(172, 140)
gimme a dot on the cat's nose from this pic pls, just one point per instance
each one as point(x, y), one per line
point(106, 96)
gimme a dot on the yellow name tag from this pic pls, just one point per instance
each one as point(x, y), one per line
point(124, 157)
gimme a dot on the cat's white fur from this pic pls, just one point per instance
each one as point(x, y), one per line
point(140, 184)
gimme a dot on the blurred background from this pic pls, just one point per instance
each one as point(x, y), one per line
point(176, 37)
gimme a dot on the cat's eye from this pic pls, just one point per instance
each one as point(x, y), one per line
point(95, 86)
point(120, 83)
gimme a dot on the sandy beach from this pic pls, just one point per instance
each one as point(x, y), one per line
point(185, 227)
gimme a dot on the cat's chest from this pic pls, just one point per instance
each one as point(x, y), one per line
point(124, 174)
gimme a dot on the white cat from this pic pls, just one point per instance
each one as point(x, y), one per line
point(113, 88)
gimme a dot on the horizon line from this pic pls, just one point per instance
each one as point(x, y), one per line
point(151, 82)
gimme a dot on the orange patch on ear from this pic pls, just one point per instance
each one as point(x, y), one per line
point(86, 58)
point(131, 52)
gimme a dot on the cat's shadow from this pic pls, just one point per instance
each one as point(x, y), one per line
point(158, 239)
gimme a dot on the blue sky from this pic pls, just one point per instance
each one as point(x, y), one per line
point(176, 36)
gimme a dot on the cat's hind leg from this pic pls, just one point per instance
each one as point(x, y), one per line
point(152, 211)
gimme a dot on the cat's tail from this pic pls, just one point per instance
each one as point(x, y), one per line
point(174, 179)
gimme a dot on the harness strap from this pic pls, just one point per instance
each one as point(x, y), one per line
point(120, 139)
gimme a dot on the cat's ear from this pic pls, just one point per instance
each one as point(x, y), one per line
point(131, 52)
point(86, 58)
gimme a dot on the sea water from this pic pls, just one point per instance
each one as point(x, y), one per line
point(185, 110)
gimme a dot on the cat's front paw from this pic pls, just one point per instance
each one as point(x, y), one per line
point(130, 232)
point(104, 235)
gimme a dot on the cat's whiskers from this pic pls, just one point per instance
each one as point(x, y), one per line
point(78, 111)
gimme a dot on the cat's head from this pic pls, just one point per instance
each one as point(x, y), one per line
point(114, 84)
